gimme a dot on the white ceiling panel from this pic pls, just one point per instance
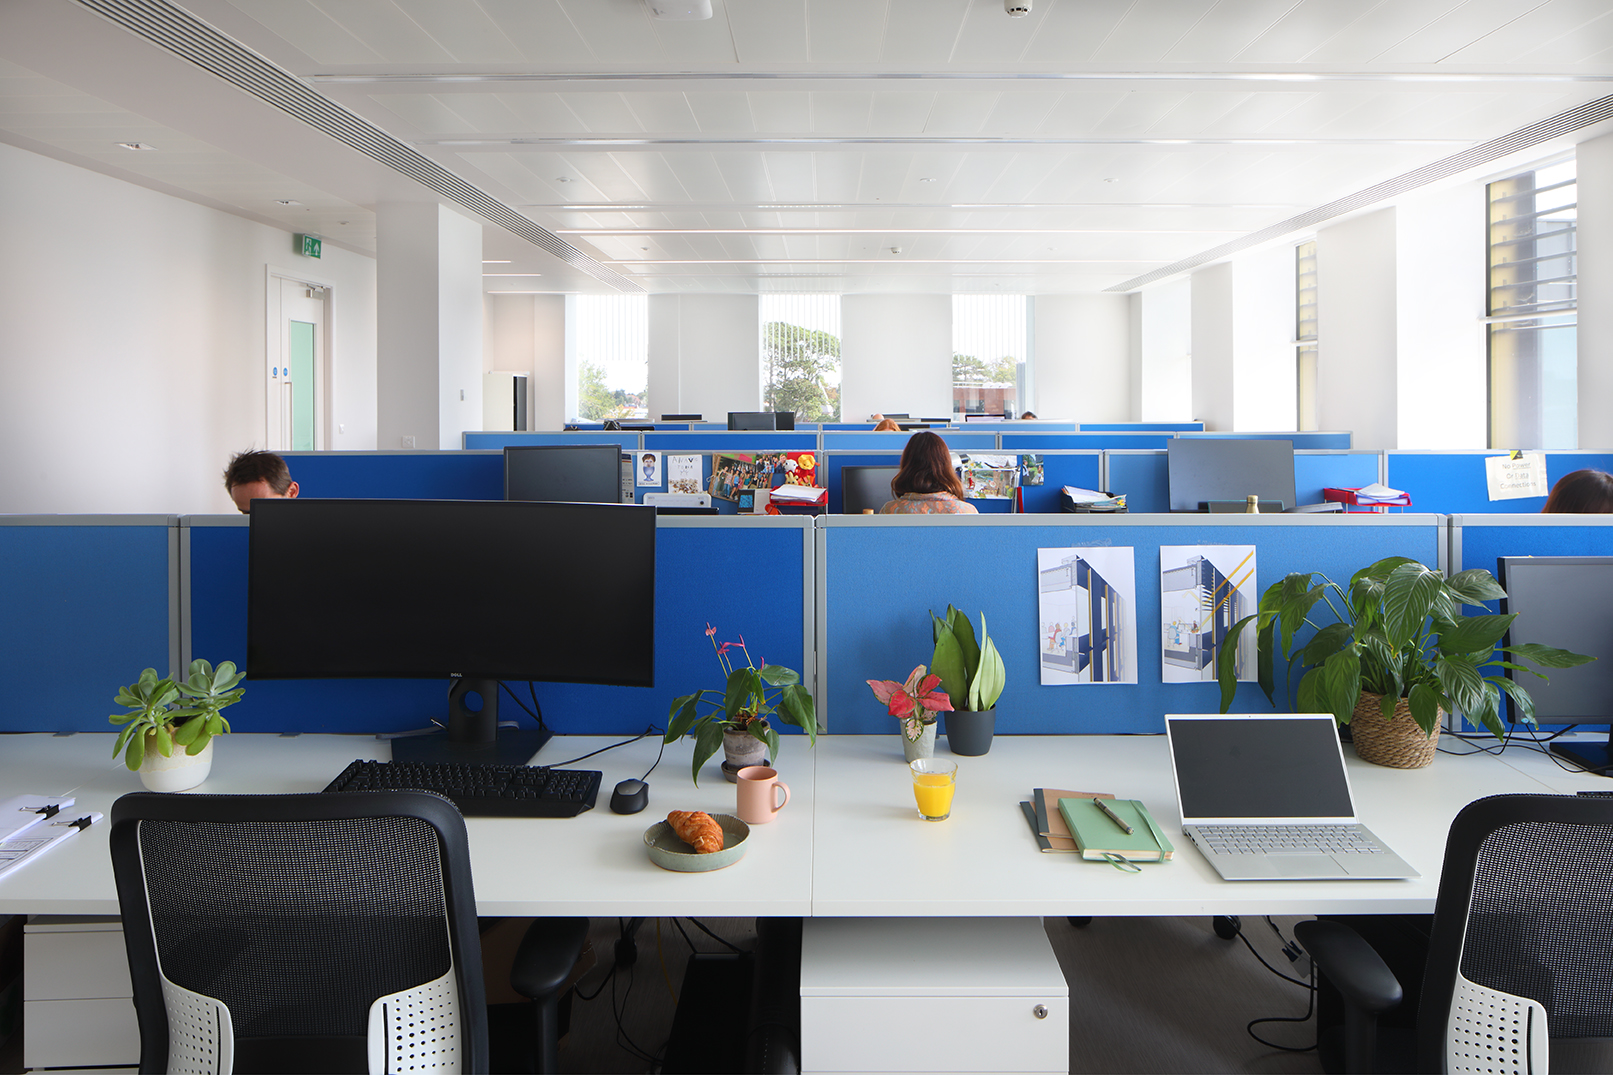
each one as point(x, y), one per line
point(768, 177)
point(614, 31)
point(662, 112)
point(1070, 33)
point(464, 30)
point(541, 113)
point(781, 112)
point(722, 113)
point(388, 30)
point(1303, 30)
point(1150, 29)
point(841, 113)
point(958, 112)
point(1450, 33)
point(845, 31)
point(898, 113)
point(924, 33)
point(602, 113)
point(1138, 112)
point(987, 37)
point(539, 29)
point(698, 42)
point(307, 27)
point(768, 31)
point(1375, 32)
point(1020, 113)
point(1228, 29)
point(1547, 23)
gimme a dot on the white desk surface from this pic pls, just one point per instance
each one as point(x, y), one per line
point(849, 843)
point(875, 857)
point(1558, 774)
point(594, 864)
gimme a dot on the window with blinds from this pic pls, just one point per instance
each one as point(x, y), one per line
point(613, 356)
point(800, 355)
point(990, 356)
point(1533, 306)
point(1305, 335)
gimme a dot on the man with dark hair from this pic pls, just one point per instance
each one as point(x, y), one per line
point(256, 475)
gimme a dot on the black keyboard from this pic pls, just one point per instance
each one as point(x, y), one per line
point(481, 790)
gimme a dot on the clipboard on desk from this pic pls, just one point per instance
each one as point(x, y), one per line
point(24, 847)
point(20, 813)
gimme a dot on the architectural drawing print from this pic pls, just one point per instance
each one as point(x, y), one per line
point(1086, 603)
point(1203, 591)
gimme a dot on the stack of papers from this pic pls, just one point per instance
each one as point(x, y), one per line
point(32, 824)
point(799, 494)
point(1377, 493)
point(1094, 500)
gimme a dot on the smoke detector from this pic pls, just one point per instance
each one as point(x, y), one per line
point(1017, 9)
point(680, 10)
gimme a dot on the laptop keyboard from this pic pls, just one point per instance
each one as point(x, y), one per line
point(1289, 839)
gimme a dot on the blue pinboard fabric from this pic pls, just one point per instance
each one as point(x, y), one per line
point(474, 475)
point(1454, 483)
point(86, 612)
point(883, 576)
point(1145, 479)
point(1313, 473)
point(499, 441)
point(1047, 442)
point(1318, 440)
point(1143, 427)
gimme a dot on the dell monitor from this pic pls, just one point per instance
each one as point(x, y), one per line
point(471, 592)
point(570, 473)
point(1565, 602)
point(865, 488)
point(751, 420)
point(1206, 471)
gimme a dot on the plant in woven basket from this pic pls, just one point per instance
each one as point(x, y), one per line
point(1397, 631)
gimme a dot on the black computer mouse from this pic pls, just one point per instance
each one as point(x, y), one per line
point(630, 797)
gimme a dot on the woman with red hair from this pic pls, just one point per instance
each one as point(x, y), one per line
point(926, 483)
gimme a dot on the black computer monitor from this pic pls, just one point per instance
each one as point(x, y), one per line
point(751, 420)
point(473, 591)
point(783, 419)
point(909, 426)
point(1208, 469)
point(865, 488)
point(564, 473)
point(683, 418)
point(1565, 602)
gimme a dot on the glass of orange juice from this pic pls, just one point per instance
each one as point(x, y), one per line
point(934, 780)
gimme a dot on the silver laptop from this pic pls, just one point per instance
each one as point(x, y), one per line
point(1267, 798)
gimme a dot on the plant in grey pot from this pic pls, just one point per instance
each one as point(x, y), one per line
point(914, 703)
point(157, 721)
point(739, 721)
point(1392, 655)
point(973, 676)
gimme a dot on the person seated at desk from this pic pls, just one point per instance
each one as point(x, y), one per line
point(887, 425)
point(257, 476)
point(925, 483)
point(1584, 492)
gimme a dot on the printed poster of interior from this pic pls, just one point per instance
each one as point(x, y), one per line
point(1086, 597)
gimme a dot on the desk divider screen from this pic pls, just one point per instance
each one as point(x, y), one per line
point(880, 577)
point(90, 601)
point(957, 439)
point(1039, 441)
point(465, 475)
point(707, 571)
point(1454, 483)
point(1306, 439)
point(1142, 427)
point(732, 441)
point(497, 441)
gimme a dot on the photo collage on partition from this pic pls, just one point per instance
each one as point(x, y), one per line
point(1087, 604)
point(1203, 591)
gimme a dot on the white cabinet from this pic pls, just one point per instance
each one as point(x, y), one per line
point(77, 1006)
point(931, 994)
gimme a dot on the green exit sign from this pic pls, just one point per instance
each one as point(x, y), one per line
point(307, 245)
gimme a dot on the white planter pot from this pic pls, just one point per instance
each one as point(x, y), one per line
point(178, 773)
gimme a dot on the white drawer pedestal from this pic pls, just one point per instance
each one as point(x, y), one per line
point(77, 1004)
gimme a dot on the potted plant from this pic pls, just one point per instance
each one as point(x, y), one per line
point(163, 714)
point(973, 676)
point(914, 703)
point(1395, 653)
point(737, 719)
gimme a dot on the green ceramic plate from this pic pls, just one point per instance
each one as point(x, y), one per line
point(671, 853)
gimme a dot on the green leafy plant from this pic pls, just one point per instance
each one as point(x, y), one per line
point(163, 714)
point(915, 703)
point(751, 695)
point(971, 673)
point(1398, 631)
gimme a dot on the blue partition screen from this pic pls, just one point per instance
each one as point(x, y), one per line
point(473, 475)
point(1484, 540)
point(1145, 479)
point(86, 610)
point(1047, 442)
point(499, 441)
point(958, 440)
point(1454, 483)
point(690, 553)
point(1080, 470)
point(731, 441)
point(881, 578)
point(1318, 440)
point(1313, 473)
point(1143, 427)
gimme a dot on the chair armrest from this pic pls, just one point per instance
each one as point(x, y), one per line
point(547, 953)
point(1356, 971)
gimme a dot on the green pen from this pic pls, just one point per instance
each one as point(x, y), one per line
point(1101, 805)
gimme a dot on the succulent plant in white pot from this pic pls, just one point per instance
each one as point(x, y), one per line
point(163, 715)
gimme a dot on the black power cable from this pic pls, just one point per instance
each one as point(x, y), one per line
point(1293, 951)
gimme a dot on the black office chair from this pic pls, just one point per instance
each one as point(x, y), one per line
point(320, 933)
point(1520, 960)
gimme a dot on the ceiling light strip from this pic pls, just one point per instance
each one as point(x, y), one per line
point(186, 36)
point(907, 141)
point(970, 76)
point(1523, 138)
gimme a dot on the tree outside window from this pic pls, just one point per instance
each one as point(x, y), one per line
point(800, 352)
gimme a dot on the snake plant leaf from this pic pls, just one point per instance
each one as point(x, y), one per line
point(987, 685)
point(1474, 586)
point(1474, 634)
point(1340, 685)
point(707, 739)
point(1424, 702)
point(964, 631)
point(1408, 595)
point(948, 663)
point(1548, 656)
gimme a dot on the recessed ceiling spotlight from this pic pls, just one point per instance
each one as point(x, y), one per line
point(287, 201)
point(680, 10)
point(1111, 179)
point(927, 180)
point(342, 223)
point(562, 179)
point(137, 145)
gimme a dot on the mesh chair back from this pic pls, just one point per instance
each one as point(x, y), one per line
point(1524, 918)
point(263, 930)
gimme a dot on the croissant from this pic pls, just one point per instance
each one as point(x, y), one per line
point(697, 829)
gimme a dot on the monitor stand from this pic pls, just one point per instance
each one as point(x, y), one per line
point(1596, 757)
point(473, 736)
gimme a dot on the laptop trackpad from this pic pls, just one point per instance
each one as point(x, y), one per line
point(1302, 865)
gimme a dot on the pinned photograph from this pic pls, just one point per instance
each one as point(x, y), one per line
point(683, 474)
point(731, 473)
point(1203, 591)
point(648, 469)
point(990, 477)
point(1087, 601)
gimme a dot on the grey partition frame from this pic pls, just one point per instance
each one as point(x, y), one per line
point(183, 588)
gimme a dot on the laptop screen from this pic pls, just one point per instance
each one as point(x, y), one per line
point(1242, 767)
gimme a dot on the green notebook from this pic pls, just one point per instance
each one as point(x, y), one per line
point(1099, 838)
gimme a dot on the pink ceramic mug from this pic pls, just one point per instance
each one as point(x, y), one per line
point(758, 799)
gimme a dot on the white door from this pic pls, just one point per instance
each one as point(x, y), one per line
point(296, 368)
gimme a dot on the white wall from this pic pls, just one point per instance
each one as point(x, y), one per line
point(1595, 335)
point(705, 355)
point(1264, 380)
point(1165, 347)
point(527, 334)
point(1440, 274)
point(1357, 325)
point(1212, 346)
point(133, 342)
point(895, 355)
point(1083, 357)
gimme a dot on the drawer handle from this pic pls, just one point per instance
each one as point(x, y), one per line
point(1040, 1011)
